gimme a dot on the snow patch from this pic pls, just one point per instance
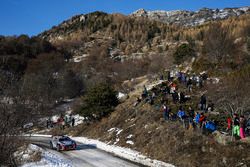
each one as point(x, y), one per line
point(129, 136)
point(131, 125)
point(130, 142)
point(111, 129)
point(79, 119)
point(78, 59)
point(120, 95)
point(116, 141)
point(117, 130)
point(48, 159)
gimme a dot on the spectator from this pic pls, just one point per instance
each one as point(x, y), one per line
point(171, 75)
point(210, 106)
point(183, 78)
point(203, 102)
point(202, 120)
point(181, 113)
point(182, 97)
point(197, 118)
point(229, 123)
point(248, 126)
point(161, 77)
point(165, 112)
point(242, 127)
point(61, 122)
point(151, 100)
point(138, 100)
point(73, 121)
point(179, 74)
point(236, 127)
point(175, 97)
point(48, 123)
point(173, 87)
point(145, 92)
point(189, 85)
point(168, 76)
point(191, 113)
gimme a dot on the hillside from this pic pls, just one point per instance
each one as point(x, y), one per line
point(145, 44)
point(128, 37)
point(143, 128)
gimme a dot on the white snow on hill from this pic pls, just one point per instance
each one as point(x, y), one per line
point(191, 18)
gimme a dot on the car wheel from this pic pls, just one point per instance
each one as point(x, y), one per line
point(58, 148)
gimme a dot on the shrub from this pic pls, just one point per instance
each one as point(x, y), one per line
point(182, 52)
point(99, 101)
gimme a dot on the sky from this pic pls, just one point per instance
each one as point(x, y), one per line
point(32, 17)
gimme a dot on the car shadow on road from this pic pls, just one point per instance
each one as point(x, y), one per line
point(85, 146)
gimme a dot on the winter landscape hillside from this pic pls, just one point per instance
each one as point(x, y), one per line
point(152, 88)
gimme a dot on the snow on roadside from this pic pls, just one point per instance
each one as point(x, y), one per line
point(123, 152)
point(48, 159)
point(28, 154)
point(36, 135)
point(130, 142)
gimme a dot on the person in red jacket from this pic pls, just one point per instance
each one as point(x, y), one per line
point(229, 123)
point(202, 120)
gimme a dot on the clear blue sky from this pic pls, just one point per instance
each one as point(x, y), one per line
point(34, 16)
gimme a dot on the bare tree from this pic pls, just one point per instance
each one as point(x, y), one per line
point(218, 43)
point(234, 92)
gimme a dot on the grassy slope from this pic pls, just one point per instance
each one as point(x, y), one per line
point(166, 141)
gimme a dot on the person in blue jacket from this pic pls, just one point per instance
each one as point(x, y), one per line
point(197, 118)
point(181, 113)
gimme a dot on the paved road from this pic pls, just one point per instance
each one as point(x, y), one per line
point(85, 155)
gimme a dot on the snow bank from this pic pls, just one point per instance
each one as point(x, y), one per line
point(130, 142)
point(79, 119)
point(36, 135)
point(123, 152)
point(48, 159)
point(26, 155)
point(120, 95)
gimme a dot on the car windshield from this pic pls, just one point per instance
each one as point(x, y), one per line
point(64, 139)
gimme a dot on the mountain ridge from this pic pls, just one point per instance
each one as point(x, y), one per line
point(190, 18)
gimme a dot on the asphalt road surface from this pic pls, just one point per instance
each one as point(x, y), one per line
point(85, 155)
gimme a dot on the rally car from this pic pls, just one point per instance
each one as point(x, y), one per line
point(62, 143)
